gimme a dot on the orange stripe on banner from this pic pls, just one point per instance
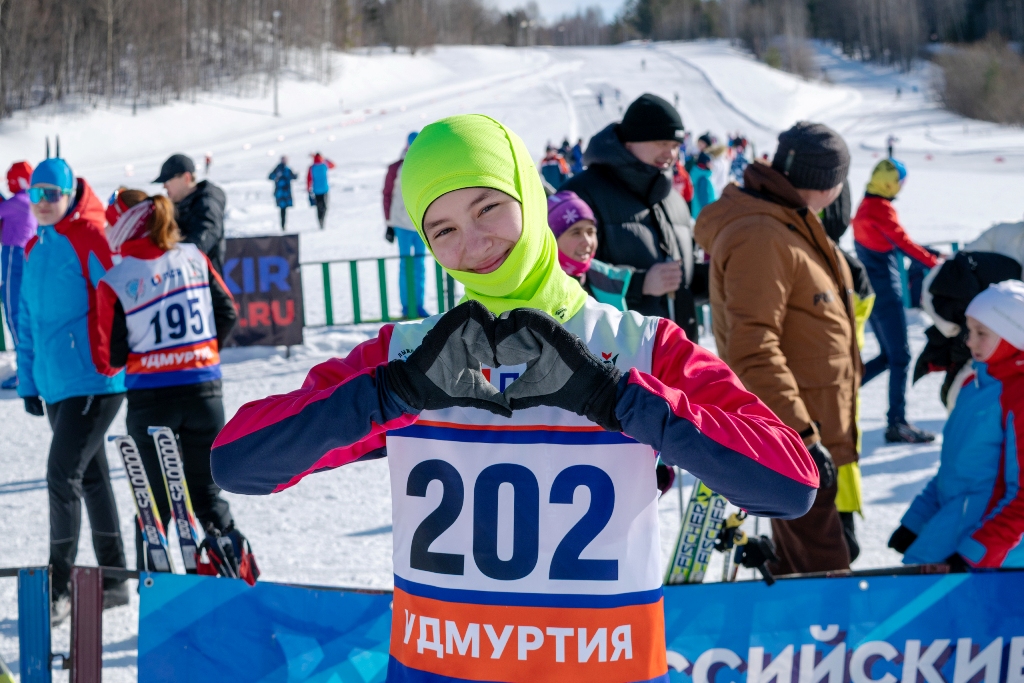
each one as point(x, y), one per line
point(528, 644)
point(510, 428)
point(201, 355)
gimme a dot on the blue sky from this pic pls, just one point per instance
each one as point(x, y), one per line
point(552, 9)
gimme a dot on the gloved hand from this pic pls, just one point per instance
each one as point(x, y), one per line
point(901, 539)
point(756, 553)
point(34, 406)
point(957, 564)
point(445, 370)
point(666, 476)
point(826, 467)
point(560, 369)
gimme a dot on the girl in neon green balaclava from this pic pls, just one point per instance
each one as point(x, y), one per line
point(473, 150)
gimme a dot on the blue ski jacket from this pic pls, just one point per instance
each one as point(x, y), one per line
point(63, 266)
point(703, 190)
point(283, 177)
point(953, 505)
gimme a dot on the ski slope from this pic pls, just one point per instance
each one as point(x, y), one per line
point(335, 528)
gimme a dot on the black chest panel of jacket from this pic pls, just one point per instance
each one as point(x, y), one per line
point(200, 217)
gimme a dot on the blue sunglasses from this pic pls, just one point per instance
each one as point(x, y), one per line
point(52, 195)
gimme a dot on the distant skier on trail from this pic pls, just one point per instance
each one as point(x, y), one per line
point(409, 242)
point(441, 399)
point(17, 226)
point(167, 334)
point(283, 176)
point(318, 185)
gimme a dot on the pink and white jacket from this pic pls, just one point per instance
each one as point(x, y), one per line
point(563, 573)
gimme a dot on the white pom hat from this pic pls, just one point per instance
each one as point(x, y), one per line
point(1001, 309)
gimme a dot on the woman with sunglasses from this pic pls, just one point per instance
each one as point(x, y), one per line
point(880, 239)
point(57, 365)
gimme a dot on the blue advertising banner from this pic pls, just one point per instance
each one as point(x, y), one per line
point(954, 628)
point(202, 628)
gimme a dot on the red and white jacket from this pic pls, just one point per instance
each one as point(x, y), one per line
point(527, 547)
point(164, 315)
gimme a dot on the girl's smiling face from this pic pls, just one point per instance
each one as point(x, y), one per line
point(473, 229)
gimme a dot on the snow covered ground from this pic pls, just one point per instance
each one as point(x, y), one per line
point(335, 528)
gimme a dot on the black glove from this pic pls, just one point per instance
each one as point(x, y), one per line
point(445, 370)
point(34, 406)
point(957, 564)
point(826, 467)
point(389, 234)
point(560, 369)
point(901, 539)
point(666, 477)
point(756, 553)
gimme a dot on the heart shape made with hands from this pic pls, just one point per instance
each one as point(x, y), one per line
point(560, 370)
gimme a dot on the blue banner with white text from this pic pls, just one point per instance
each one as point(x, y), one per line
point(953, 628)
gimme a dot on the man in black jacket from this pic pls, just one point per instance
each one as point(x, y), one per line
point(641, 222)
point(198, 207)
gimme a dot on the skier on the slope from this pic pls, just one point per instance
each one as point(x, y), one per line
point(317, 185)
point(168, 333)
point(283, 176)
point(589, 376)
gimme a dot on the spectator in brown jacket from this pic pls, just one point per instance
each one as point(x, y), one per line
point(783, 319)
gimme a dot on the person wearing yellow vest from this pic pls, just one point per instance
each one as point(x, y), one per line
point(531, 388)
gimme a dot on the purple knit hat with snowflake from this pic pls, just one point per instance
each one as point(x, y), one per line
point(565, 209)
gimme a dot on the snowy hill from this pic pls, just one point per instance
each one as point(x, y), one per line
point(335, 528)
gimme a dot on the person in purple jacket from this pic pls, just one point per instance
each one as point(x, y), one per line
point(17, 227)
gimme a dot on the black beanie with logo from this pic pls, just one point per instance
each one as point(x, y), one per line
point(648, 118)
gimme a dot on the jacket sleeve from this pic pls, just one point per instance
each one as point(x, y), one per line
point(389, 189)
point(694, 411)
point(924, 507)
point(25, 349)
point(111, 332)
point(888, 223)
point(225, 315)
point(753, 317)
point(339, 415)
point(1002, 527)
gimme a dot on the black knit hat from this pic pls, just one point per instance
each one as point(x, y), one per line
point(812, 156)
point(651, 118)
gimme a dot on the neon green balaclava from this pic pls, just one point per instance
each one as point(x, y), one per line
point(473, 150)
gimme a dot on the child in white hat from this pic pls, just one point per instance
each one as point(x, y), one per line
point(971, 514)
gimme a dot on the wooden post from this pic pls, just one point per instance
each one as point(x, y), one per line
point(86, 624)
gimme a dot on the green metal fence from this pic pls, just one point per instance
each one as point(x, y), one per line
point(444, 285)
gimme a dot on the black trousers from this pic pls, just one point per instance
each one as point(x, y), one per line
point(196, 419)
point(77, 468)
point(284, 216)
point(321, 208)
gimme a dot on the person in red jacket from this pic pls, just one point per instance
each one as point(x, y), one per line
point(880, 240)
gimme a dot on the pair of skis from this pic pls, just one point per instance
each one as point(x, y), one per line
point(705, 529)
point(214, 555)
point(702, 523)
